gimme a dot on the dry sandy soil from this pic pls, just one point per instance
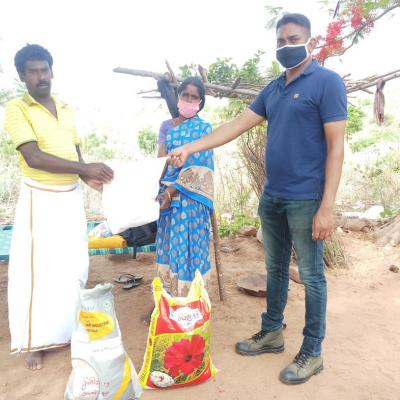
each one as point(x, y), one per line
point(361, 351)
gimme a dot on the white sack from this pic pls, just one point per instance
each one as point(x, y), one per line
point(101, 369)
point(129, 200)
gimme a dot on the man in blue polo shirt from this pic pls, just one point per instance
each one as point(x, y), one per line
point(306, 110)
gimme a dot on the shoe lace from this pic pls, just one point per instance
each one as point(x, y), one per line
point(259, 335)
point(301, 360)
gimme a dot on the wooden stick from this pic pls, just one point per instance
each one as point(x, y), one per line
point(156, 75)
point(250, 91)
point(173, 77)
point(203, 74)
point(204, 78)
point(217, 253)
point(147, 91)
point(372, 83)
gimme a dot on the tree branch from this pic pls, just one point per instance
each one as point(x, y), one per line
point(366, 23)
point(250, 91)
point(355, 34)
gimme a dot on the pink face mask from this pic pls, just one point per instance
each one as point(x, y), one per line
point(188, 110)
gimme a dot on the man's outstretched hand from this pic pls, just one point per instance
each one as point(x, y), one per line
point(98, 171)
point(178, 156)
point(97, 174)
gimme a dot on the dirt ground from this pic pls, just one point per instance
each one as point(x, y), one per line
point(361, 351)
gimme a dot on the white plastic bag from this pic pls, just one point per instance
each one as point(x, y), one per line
point(101, 370)
point(129, 200)
point(101, 230)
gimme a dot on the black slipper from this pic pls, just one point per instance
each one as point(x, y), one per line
point(125, 278)
point(130, 284)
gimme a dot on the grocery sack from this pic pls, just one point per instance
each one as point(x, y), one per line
point(100, 230)
point(178, 345)
point(129, 200)
point(101, 370)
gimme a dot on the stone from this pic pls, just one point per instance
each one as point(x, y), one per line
point(340, 220)
point(352, 214)
point(355, 225)
point(229, 248)
point(373, 213)
point(247, 231)
point(254, 284)
point(394, 268)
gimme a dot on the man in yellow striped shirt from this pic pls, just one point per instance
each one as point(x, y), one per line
point(48, 255)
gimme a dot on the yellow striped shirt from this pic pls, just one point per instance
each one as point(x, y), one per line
point(28, 121)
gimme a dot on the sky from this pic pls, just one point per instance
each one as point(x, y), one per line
point(89, 38)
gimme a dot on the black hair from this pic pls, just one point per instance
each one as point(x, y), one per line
point(195, 81)
point(294, 18)
point(31, 52)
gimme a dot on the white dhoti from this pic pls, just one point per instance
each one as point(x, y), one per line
point(48, 262)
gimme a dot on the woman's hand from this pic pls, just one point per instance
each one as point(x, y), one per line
point(165, 199)
point(178, 156)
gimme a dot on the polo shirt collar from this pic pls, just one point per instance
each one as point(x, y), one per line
point(311, 68)
point(308, 71)
point(29, 100)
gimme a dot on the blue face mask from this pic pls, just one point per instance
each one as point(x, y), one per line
point(291, 56)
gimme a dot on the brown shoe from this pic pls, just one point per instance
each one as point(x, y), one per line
point(301, 369)
point(262, 342)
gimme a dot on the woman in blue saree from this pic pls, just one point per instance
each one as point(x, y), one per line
point(186, 196)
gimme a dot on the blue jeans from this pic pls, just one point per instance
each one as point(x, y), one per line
point(284, 222)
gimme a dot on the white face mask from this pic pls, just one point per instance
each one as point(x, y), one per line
point(292, 55)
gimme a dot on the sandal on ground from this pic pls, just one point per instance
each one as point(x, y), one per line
point(131, 284)
point(126, 278)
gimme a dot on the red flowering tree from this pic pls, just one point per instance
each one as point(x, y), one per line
point(353, 19)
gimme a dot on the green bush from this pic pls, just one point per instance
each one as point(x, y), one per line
point(9, 183)
point(188, 70)
point(147, 140)
point(355, 120)
point(389, 212)
point(239, 220)
point(97, 147)
point(222, 71)
point(379, 134)
point(363, 144)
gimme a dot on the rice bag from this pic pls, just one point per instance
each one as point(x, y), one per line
point(178, 345)
point(101, 370)
point(129, 200)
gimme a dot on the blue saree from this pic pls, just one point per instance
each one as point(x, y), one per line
point(183, 235)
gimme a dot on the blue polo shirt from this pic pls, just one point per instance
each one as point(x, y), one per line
point(296, 146)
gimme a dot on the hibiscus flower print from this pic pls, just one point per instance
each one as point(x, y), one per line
point(184, 356)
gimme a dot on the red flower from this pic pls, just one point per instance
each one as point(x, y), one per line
point(357, 16)
point(184, 356)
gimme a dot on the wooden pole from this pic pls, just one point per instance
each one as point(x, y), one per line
point(362, 86)
point(217, 254)
point(248, 90)
point(173, 77)
point(209, 86)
